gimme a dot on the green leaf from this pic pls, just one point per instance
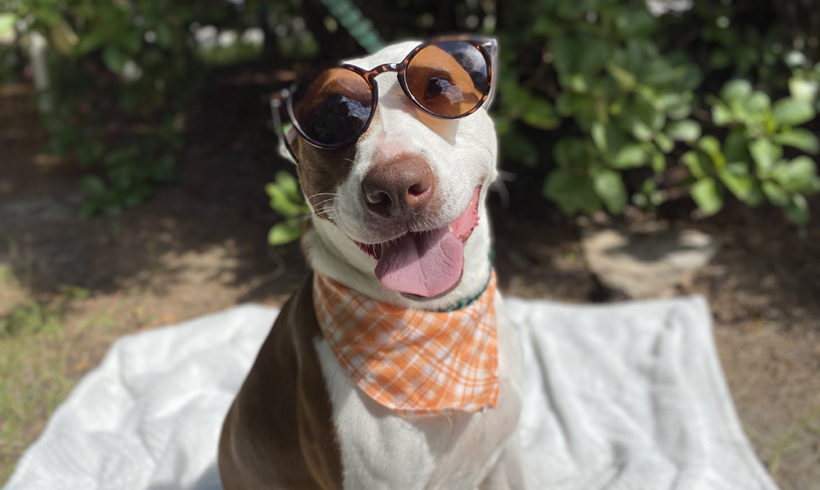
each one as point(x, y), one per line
point(721, 114)
point(563, 54)
point(519, 148)
point(547, 26)
point(799, 175)
point(122, 156)
point(798, 210)
point(573, 152)
point(658, 162)
point(572, 104)
point(540, 113)
point(131, 40)
point(792, 112)
point(92, 186)
point(46, 13)
point(632, 155)
point(640, 118)
point(637, 128)
point(279, 200)
point(289, 184)
point(514, 98)
point(285, 195)
point(678, 105)
point(734, 146)
point(634, 22)
point(93, 40)
point(649, 196)
point(611, 189)
point(593, 55)
point(686, 130)
point(765, 154)
point(707, 195)
point(575, 82)
point(719, 58)
point(572, 193)
point(63, 37)
point(697, 163)
point(775, 194)
point(736, 178)
point(664, 142)
point(608, 138)
point(803, 89)
point(711, 146)
point(90, 151)
point(757, 106)
point(626, 81)
point(114, 58)
point(736, 91)
point(285, 232)
point(164, 36)
point(799, 138)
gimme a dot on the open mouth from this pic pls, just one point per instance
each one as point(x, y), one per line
point(426, 263)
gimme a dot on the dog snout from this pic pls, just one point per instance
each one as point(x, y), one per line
point(399, 186)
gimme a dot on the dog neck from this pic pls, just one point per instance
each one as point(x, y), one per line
point(332, 254)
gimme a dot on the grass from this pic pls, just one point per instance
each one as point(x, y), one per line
point(32, 366)
point(800, 435)
point(35, 347)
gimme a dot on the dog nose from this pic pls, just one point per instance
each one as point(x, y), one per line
point(398, 186)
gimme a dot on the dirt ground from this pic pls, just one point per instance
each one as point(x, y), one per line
point(200, 246)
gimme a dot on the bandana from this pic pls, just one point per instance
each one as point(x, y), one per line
point(413, 361)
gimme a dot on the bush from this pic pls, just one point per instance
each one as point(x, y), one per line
point(623, 98)
point(611, 103)
point(123, 74)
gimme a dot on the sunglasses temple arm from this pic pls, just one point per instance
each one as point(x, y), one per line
point(492, 48)
point(275, 108)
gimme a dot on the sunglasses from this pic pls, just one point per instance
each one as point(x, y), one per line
point(447, 77)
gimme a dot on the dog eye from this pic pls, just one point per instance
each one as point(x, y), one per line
point(447, 79)
point(335, 118)
point(333, 106)
point(437, 86)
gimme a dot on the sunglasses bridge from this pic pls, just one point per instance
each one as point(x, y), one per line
point(370, 75)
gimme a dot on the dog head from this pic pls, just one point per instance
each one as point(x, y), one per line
point(398, 214)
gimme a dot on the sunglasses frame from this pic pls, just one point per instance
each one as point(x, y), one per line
point(487, 46)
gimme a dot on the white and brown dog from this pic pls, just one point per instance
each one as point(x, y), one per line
point(359, 385)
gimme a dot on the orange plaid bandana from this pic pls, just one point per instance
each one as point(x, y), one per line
point(413, 361)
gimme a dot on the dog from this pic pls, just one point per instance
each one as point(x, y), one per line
point(395, 171)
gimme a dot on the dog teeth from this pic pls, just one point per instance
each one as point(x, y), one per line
point(451, 229)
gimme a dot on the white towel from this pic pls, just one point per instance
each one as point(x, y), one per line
point(627, 396)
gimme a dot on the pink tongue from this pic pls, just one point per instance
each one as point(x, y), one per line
point(425, 264)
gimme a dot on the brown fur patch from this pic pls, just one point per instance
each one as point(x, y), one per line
point(279, 432)
point(321, 172)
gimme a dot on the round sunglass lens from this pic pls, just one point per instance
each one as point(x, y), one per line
point(332, 107)
point(449, 78)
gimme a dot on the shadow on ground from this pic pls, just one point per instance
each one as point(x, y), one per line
point(209, 230)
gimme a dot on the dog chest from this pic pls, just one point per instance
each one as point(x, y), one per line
point(382, 450)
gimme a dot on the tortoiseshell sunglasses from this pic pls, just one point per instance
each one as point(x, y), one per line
point(447, 77)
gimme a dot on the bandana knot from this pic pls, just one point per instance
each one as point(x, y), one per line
point(413, 361)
